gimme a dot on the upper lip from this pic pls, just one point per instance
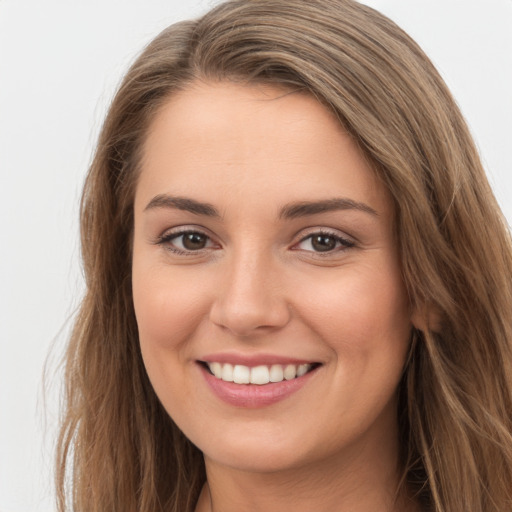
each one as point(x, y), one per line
point(252, 360)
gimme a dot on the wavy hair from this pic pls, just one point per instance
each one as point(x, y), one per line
point(118, 449)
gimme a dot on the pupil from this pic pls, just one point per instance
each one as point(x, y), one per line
point(194, 241)
point(323, 243)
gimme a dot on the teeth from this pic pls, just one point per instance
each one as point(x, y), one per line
point(260, 375)
point(241, 374)
point(303, 369)
point(227, 373)
point(216, 369)
point(276, 373)
point(290, 372)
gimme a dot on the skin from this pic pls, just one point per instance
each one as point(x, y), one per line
point(260, 285)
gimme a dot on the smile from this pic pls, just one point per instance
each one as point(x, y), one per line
point(253, 381)
point(260, 375)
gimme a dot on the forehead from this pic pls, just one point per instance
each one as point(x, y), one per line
point(217, 141)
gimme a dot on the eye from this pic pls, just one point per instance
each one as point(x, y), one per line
point(323, 242)
point(186, 241)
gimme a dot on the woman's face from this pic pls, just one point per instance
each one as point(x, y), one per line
point(263, 249)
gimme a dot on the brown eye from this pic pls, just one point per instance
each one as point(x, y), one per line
point(187, 242)
point(194, 241)
point(322, 243)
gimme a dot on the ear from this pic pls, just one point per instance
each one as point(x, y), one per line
point(427, 318)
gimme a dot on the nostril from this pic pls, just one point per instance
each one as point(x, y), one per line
point(247, 319)
point(249, 301)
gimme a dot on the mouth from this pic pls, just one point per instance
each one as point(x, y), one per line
point(260, 375)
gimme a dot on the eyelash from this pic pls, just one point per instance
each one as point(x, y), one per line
point(344, 243)
point(167, 239)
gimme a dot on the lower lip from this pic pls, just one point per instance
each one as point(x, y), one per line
point(253, 396)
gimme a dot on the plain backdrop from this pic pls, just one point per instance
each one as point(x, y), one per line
point(60, 62)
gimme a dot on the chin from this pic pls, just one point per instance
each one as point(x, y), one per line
point(265, 451)
point(255, 459)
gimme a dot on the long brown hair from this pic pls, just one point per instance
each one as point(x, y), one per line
point(118, 448)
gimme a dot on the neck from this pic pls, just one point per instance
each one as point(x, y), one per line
point(361, 481)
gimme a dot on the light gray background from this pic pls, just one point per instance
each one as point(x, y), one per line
point(60, 62)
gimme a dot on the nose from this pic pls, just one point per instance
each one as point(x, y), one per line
point(251, 297)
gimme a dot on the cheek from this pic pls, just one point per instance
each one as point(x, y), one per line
point(363, 317)
point(167, 305)
point(168, 310)
point(362, 314)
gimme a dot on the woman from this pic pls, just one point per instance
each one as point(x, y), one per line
point(298, 279)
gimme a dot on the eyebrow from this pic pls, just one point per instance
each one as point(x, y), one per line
point(182, 203)
point(289, 211)
point(305, 208)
